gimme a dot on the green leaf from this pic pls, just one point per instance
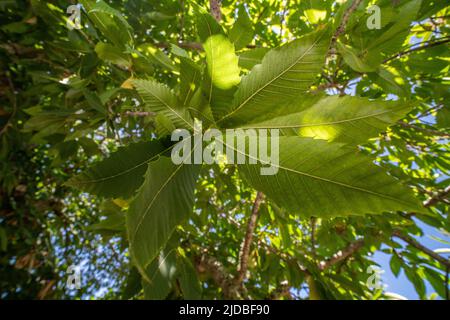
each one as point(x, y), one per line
point(284, 73)
point(160, 99)
point(317, 178)
point(94, 102)
point(110, 22)
point(390, 40)
point(114, 218)
point(206, 24)
point(416, 280)
point(341, 119)
point(354, 59)
point(163, 125)
point(110, 53)
point(366, 53)
point(190, 75)
point(222, 62)
point(250, 58)
point(443, 118)
point(159, 275)
point(133, 284)
point(436, 280)
point(395, 264)
point(159, 16)
point(164, 200)
point(157, 57)
point(242, 32)
point(120, 174)
point(223, 74)
point(201, 109)
point(189, 283)
point(393, 81)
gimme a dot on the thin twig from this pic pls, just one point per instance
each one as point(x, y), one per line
point(140, 113)
point(245, 250)
point(313, 236)
point(423, 47)
point(425, 130)
point(437, 198)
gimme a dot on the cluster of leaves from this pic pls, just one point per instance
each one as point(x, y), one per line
point(113, 91)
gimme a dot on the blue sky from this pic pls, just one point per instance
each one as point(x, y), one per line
point(401, 285)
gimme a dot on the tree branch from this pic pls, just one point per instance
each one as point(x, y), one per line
point(341, 28)
point(139, 113)
point(215, 269)
point(342, 254)
point(214, 6)
point(413, 242)
point(423, 47)
point(245, 250)
point(437, 198)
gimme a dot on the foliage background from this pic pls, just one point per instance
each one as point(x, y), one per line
point(66, 103)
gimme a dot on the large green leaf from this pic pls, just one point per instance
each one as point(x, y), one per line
point(284, 73)
point(120, 174)
point(160, 99)
point(222, 62)
point(164, 200)
point(223, 74)
point(341, 119)
point(327, 179)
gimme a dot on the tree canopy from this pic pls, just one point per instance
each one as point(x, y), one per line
point(358, 91)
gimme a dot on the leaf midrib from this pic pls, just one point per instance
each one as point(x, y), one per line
point(322, 123)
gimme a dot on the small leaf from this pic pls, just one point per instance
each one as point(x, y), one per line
point(160, 99)
point(242, 32)
point(395, 264)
